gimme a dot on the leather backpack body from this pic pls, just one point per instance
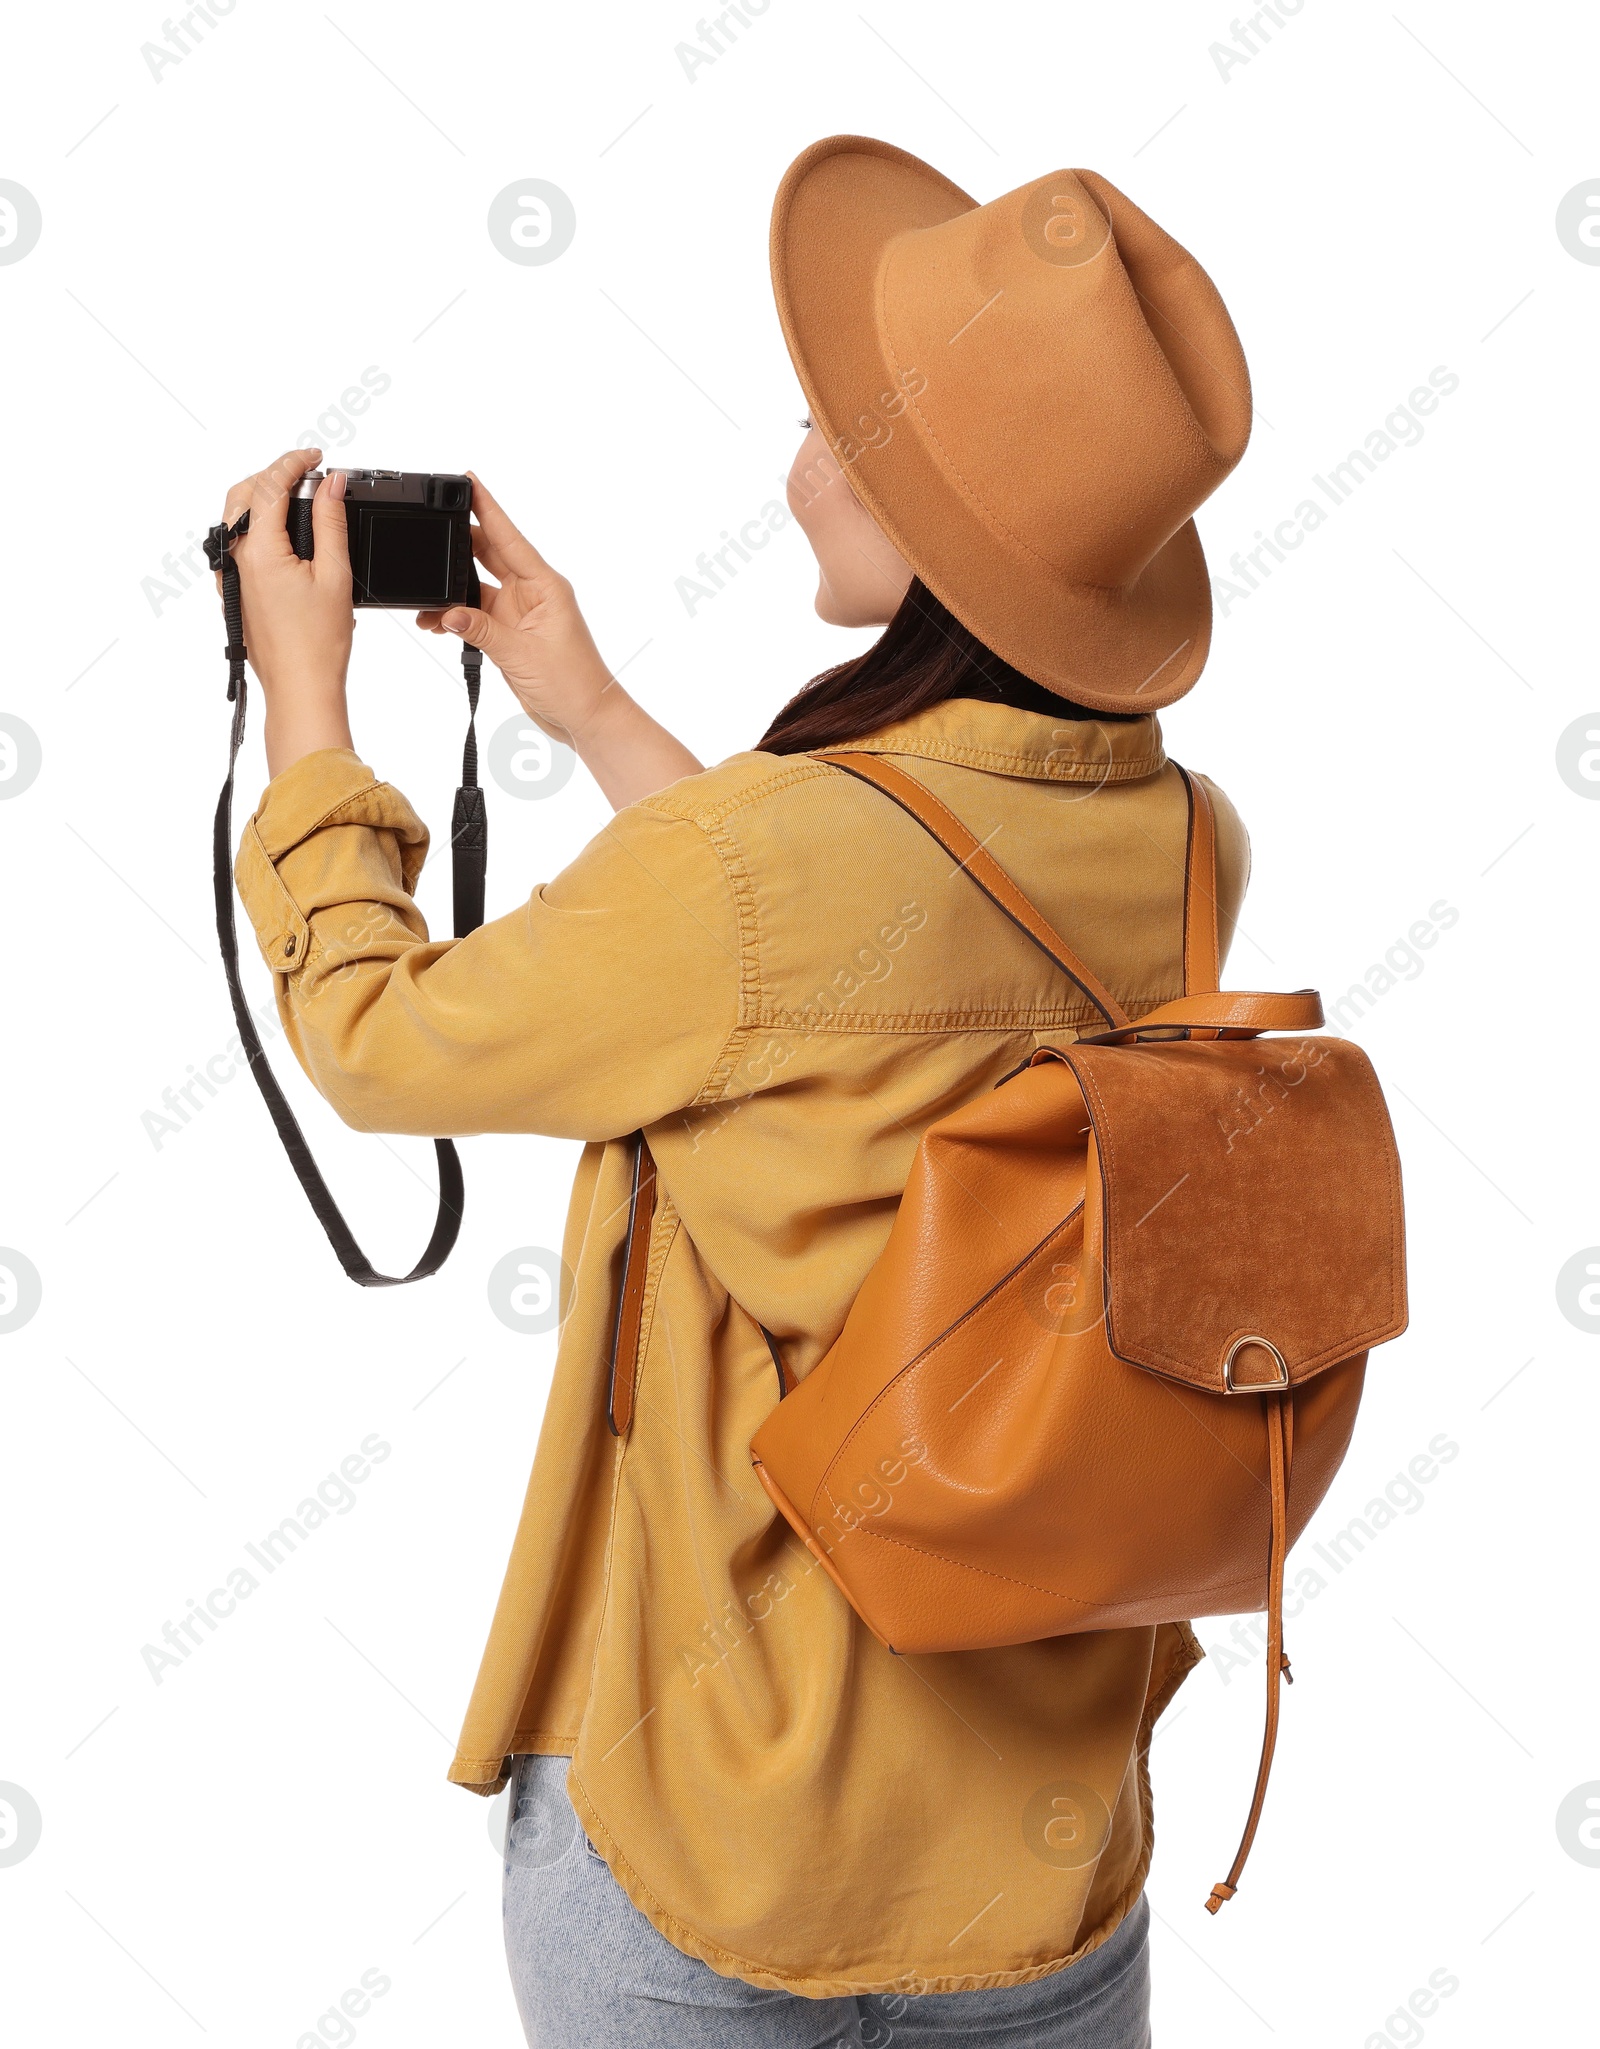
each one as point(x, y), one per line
point(1109, 1360)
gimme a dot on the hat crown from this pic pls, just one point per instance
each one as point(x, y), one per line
point(1019, 330)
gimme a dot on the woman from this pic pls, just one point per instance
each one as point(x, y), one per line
point(771, 1829)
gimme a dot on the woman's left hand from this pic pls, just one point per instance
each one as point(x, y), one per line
point(297, 615)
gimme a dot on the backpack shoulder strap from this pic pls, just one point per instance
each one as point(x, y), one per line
point(1200, 964)
point(970, 854)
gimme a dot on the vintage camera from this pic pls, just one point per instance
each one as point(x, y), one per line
point(410, 536)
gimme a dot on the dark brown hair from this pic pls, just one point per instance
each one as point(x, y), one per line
point(923, 657)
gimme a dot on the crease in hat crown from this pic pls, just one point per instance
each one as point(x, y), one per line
point(1031, 396)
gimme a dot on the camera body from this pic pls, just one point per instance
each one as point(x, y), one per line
point(410, 537)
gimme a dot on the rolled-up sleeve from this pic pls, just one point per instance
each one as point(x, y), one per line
point(603, 1003)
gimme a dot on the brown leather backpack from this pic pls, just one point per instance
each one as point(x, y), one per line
point(1110, 1358)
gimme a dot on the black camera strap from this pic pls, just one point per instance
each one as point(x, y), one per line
point(469, 821)
point(469, 849)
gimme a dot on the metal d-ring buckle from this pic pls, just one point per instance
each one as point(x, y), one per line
point(1232, 1386)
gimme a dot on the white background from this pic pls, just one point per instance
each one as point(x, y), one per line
point(303, 196)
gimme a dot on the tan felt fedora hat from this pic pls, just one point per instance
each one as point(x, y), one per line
point(1030, 397)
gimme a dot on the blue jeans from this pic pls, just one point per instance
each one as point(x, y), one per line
point(589, 1969)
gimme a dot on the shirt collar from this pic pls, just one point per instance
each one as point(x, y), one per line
point(1007, 741)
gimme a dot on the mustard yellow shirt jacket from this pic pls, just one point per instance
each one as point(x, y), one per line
point(774, 972)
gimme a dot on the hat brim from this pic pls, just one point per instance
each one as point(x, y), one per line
point(1130, 650)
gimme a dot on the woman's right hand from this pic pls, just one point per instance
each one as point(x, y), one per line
point(530, 627)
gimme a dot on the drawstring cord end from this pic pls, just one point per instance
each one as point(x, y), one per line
point(1273, 1408)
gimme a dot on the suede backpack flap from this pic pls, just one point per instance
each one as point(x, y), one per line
point(1249, 1190)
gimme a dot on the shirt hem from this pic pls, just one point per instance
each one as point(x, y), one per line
point(487, 1775)
point(727, 1964)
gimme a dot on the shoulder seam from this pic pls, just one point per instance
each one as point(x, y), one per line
point(747, 1000)
point(708, 816)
